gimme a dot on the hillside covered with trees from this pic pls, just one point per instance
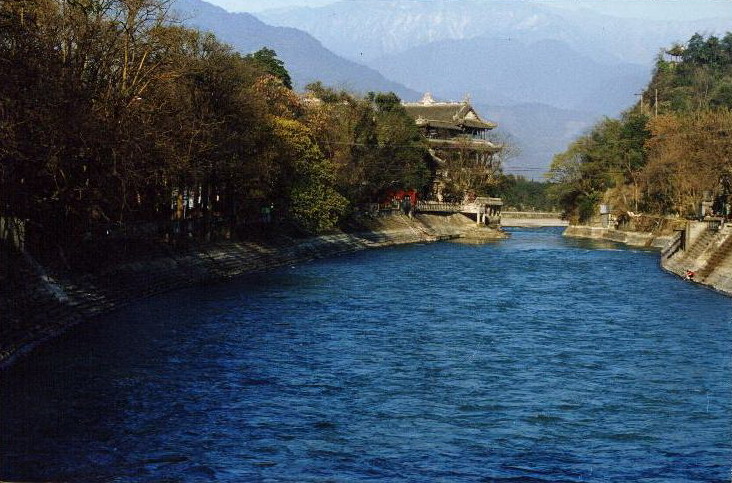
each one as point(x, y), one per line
point(665, 153)
point(522, 194)
point(115, 117)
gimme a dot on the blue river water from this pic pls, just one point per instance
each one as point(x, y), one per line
point(536, 358)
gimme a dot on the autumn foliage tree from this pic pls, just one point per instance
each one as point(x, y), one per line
point(113, 115)
point(665, 153)
point(687, 156)
point(374, 144)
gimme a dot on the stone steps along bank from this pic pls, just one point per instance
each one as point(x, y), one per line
point(45, 307)
point(708, 255)
point(707, 251)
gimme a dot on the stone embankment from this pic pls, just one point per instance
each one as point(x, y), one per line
point(707, 252)
point(700, 247)
point(39, 306)
point(631, 238)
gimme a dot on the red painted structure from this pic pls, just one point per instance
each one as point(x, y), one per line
point(399, 195)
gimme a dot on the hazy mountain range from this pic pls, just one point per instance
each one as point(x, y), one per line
point(544, 74)
point(367, 29)
point(305, 57)
point(509, 71)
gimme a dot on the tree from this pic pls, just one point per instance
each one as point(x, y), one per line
point(524, 194)
point(726, 47)
point(576, 182)
point(470, 169)
point(306, 182)
point(695, 52)
point(661, 164)
point(374, 144)
point(268, 61)
point(75, 73)
point(687, 156)
point(400, 157)
point(108, 111)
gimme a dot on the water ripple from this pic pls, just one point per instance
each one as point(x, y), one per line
point(534, 359)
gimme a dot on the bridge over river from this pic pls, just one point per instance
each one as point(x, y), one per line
point(488, 210)
point(531, 219)
point(482, 210)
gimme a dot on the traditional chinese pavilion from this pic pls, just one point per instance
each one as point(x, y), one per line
point(453, 129)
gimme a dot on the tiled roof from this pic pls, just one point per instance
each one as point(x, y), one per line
point(479, 123)
point(422, 122)
point(446, 114)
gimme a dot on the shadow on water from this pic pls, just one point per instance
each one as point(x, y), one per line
point(537, 358)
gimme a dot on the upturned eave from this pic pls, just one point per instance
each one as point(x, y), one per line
point(472, 144)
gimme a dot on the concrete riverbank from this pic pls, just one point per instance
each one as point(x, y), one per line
point(705, 252)
point(38, 305)
point(699, 248)
point(630, 238)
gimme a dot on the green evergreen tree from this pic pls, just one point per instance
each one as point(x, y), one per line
point(268, 61)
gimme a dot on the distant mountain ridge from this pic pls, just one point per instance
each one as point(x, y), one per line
point(305, 57)
point(307, 60)
point(539, 130)
point(368, 29)
point(523, 58)
point(544, 74)
point(511, 72)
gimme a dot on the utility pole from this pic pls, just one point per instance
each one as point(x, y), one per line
point(655, 103)
point(641, 102)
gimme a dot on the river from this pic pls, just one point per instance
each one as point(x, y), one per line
point(535, 358)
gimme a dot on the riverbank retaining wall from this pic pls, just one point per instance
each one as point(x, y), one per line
point(36, 305)
point(706, 251)
point(631, 238)
point(708, 254)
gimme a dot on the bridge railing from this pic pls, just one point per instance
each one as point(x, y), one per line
point(713, 224)
point(438, 207)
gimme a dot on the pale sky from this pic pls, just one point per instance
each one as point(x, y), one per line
point(654, 9)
